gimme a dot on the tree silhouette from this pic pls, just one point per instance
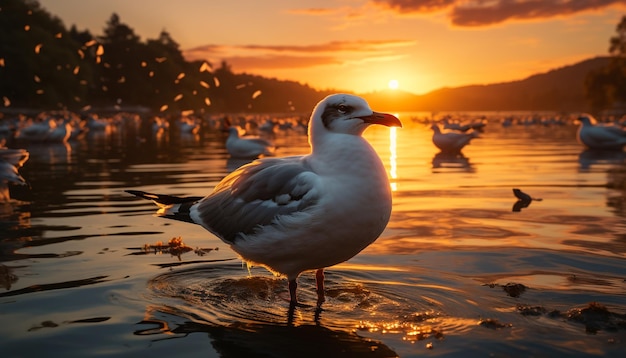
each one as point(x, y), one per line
point(606, 88)
point(45, 66)
point(120, 63)
point(39, 65)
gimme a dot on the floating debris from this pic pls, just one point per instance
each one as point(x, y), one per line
point(595, 316)
point(174, 247)
point(512, 289)
point(531, 310)
point(523, 201)
point(493, 324)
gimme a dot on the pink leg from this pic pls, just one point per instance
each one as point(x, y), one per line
point(319, 280)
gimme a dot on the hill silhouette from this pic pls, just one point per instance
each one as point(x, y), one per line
point(560, 89)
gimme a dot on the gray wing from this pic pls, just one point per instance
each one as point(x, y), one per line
point(255, 194)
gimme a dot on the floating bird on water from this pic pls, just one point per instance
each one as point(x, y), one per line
point(451, 142)
point(523, 201)
point(600, 137)
point(301, 213)
point(10, 161)
point(247, 147)
point(47, 130)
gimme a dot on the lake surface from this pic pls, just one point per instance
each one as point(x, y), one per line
point(457, 272)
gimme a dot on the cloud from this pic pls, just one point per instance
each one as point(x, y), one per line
point(316, 11)
point(254, 56)
point(420, 6)
point(489, 12)
point(352, 46)
point(247, 63)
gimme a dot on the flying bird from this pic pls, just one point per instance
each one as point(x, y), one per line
point(301, 213)
point(599, 137)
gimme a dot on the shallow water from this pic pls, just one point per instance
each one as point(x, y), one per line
point(457, 271)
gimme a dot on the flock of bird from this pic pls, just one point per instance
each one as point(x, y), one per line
point(284, 213)
point(452, 136)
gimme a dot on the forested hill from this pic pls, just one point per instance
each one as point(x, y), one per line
point(45, 65)
point(561, 89)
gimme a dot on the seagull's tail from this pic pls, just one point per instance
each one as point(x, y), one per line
point(171, 207)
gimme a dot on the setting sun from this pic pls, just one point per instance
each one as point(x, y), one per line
point(393, 84)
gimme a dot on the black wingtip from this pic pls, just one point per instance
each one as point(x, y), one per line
point(141, 194)
point(163, 199)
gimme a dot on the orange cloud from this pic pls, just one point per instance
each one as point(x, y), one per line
point(318, 11)
point(247, 57)
point(247, 63)
point(353, 46)
point(483, 12)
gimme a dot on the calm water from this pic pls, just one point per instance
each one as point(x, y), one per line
point(456, 272)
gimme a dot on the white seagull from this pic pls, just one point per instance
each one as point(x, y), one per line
point(451, 142)
point(301, 213)
point(247, 147)
point(10, 161)
point(599, 137)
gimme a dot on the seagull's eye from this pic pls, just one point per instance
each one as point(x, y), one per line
point(343, 109)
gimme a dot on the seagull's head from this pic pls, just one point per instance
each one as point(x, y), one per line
point(348, 114)
point(587, 119)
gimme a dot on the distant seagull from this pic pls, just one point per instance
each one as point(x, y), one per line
point(301, 213)
point(452, 141)
point(95, 123)
point(48, 130)
point(523, 201)
point(600, 137)
point(247, 147)
point(188, 125)
point(10, 161)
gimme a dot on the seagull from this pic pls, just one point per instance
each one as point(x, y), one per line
point(523, 201)
point(10, 161)
point(599, 137)
point(301, 213)
point(47, 130)
point(247, 147)
point(451, 142)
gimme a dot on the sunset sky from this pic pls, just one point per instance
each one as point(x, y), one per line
point(362, 45)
